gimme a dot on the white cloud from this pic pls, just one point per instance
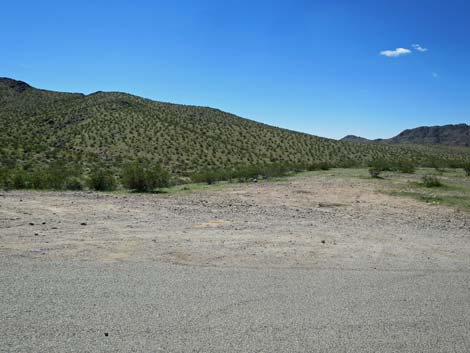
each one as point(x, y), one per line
point(418, 47)
point(395, 53)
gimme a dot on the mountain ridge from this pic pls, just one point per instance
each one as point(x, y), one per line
point(450, 135)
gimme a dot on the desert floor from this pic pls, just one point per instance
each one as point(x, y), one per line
point(318, 262)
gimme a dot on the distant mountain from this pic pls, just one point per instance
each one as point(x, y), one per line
point(450, 135)
point(354, 138)
point(455, 135)
point(40, 126)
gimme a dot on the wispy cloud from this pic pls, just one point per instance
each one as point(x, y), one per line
point(419, 48)
point(435, 75)
point(395, 53)
point(403, 51)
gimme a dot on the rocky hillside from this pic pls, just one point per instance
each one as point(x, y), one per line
point(40, 126)
point(449, 135)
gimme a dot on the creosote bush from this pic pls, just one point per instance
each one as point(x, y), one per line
point(466, 168)
point(144, 177)
point(405, 166)
point(101, 180)
point(431, 181)
point(376, 167)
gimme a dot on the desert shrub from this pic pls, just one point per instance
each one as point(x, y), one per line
point(455, 164)
point(246, 173)
point(19, 179)
point(318, 166)
point(101, 180)
point(73, 183)
point(264, 171)
point(377, 166)
point(406, 166)
point(431, 181)
point(211, 176)
point(55, 176)
point(143, 178)
point(5, 181)
point(466, 168)
point(325, 166)
point(347, 163)
point(438, 164)
point(38, 179)
point(277, 170)
point(374, 172)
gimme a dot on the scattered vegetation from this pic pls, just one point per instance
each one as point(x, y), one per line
point(116, 128)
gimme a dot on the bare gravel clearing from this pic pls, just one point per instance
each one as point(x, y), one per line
point(306, 221)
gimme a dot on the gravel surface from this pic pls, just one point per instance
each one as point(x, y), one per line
point(310, 264)
point(301, 222)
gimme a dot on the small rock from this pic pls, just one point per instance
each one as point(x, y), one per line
point(83, 224)
point(31, 223)
point(106, 334)
point(36, 234)
point(323, 241)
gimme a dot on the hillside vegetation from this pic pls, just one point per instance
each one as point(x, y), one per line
point(40, 128)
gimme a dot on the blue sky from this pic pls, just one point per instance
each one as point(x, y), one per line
point(312, 66)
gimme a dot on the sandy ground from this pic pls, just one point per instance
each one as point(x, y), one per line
point(319, 221)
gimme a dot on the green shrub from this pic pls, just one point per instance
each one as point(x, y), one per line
point(101, 180)
point(438, 164)
point(431, 181)
point(455, 164)
point(73, 183)
point(466, 168)
point(5, 182)
point(318, 166)
point(211, 176)
point(406, 166)
point(377, 166)
point(20, 179)
point(139, 178)
point(348, 163)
